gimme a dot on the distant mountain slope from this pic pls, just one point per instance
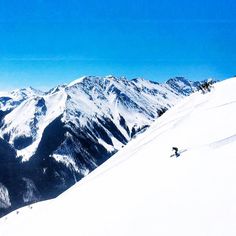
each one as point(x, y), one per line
point(141, 190)
point(59, 136)
point(183, 86)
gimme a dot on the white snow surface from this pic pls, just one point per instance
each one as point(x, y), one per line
point(141, 190)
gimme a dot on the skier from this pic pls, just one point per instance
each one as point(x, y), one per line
point(176, 150)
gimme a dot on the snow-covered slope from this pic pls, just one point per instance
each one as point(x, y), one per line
point(10, 100)
point(182, 86)
point(141, 190)
point(54, 139)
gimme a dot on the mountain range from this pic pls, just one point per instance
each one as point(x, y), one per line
point(144, 190)
point(50, 140)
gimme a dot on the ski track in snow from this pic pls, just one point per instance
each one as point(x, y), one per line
point(223, 142)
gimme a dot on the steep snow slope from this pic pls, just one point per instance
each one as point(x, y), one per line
point(141, 190)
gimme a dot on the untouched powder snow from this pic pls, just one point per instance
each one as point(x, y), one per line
point(141, 190)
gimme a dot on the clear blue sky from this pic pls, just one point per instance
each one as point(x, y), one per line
point(49, 42)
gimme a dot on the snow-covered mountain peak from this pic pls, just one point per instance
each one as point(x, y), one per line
point(26, 92)
point(56, 89)
point(178, 79)
point(182, 85)
point(110, 77)
point(10, 100)
point(139, 79)
point(100, 95)
point(77, 81)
